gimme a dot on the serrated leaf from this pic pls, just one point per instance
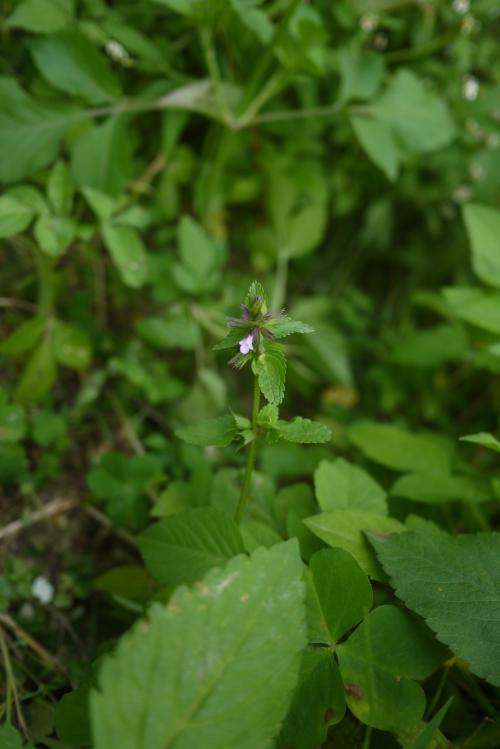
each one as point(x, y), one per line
point(339, 595)
point(378, 664)
point(285, 326)
point(483, 227)
point(454, 583)
point(343, 486)
point(303, 431)
point(129, 254)
point(400, 449)
point(219, 432)
point(270, 368)
point(344, 529)
point(215, 668)
point(183, 547)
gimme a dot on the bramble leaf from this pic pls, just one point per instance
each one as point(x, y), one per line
point(216, 667)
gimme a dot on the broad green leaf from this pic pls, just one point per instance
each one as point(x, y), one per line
point(454, 583)
point(72, 716)
point(196, 249)
point(378, 664)
point(254, 19)
point(60, 189)
point(42, 16)
point(39, 374)
point(429, 349)
point(339, 595)
point(318, 702)
point(129, 254)
point(71, 63)
point(232, 339)
point(11, 739)
point(285, 326)
point(418, 118)
point(12, 421)
point(303, 431)
point(400, 449)
point(177, 330)
point(306, 229)
point(71, 346)
point(47, 427)
point(183, 547)
point(54, 234)
point(436, 488)
point(102, 156)
point(361, 73)
point(24, 338)
point(485, 439)
point(219, 432)
point(270, 368)
point(483, 227)
point(475, 306)
point(30, 131)
point(345, 529)
point(216, 667)
point(256, 533)
point(15, 216)
point(30, 197)
point(102, 204)
point(128, 581)
point(379, 144)
point(343, 486)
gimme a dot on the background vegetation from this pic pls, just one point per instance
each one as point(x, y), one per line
point(155, 159)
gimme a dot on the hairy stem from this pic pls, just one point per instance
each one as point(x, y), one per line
point(245, 489)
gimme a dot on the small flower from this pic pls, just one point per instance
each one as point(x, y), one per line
point(470, 88)
point(42, 589)
point(246, 344)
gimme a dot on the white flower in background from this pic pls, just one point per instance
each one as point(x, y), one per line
point(462, 194)
point(368, 22)
point(476, 172)
point(461, 7)
point(42, 589)
point(469, 24)
point(117, 51)
point(492, 141)
point(470, 88)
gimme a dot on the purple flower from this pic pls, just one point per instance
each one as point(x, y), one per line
point(246, 344)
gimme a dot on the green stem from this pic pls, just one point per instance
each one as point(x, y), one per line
point(46, 280)
point(438, 693)
point(267, 57)
point(245, 489)
point(367, 738)
point(207, 42)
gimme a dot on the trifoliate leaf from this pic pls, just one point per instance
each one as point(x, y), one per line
point(378, 664)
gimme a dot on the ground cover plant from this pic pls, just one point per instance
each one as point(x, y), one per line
point(249, 345)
